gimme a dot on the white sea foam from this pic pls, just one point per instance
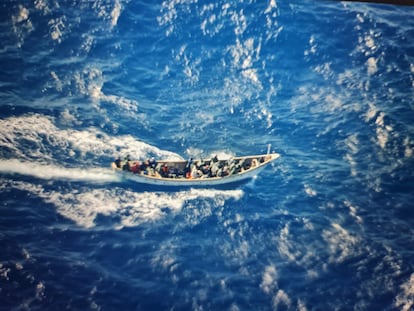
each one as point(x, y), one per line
point(244, 55)
point(408, 147)
point(370, 42)
point(36, 137)
point(126, 208)
point(170, 10)
point(352, 142)
point(94, 175)
point(115, 13)
point(272, 6)
point(269, 279)
point(341, 244)
point(405, 299)
point(281, 298)
point(87, 81)
point(23, 14)
point(90, 82)
point(309, 191)
point(285, 247)
point(382, 130)
point(21, 24)
point(209, 25)
point(372, 112)
point(312, 47)
point(372, 67)
point(57, 27)
point(353, 211)
point(43, 6)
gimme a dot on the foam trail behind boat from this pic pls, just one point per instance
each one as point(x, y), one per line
point(43, 171)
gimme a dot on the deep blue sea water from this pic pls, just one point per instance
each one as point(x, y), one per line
point(330, 85)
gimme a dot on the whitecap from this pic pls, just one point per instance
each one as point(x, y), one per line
point(369, 42)
point(89, 82)
point(341, 244)
point(272, 6)
point(57, 27)
point(372, 67)
point(408, 148)
point(281, 298)
point(42, 5)
point(269, 279)
point(285, 248)
point(240, 22)
point(353, 211)
point(115, 13)
point(21, 24)
point(382, 130)
point(22, 16)
point(405, 299)
point(372, 112)
point(309, 191)
point(58, 82)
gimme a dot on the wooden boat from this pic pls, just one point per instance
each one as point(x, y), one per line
point(199, 173)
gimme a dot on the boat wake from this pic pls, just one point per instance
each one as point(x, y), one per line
point(116, 207)
point(37, 138)
point(43, 171)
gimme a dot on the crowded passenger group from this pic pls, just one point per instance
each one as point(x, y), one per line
point(190, 169)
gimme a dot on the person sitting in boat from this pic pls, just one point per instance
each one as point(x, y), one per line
point(118, 162)
point(205, 170)
point(245, 165)
point(143, 166)
point(150, 171)
point(214, 169)
point(135, 168)
point(217, 167)
point(152, 163)
point(164, 170)
point(176, 172)
point(225, 171)
point(235, 169)
point(158, 168)
point(126, 166)
point(254, 163)
point(195, 173)
point(150, 167)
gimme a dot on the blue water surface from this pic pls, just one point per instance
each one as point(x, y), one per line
point(328, 226)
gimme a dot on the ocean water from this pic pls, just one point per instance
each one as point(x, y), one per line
point(329, 84)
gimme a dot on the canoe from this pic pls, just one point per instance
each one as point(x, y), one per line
point(198, 173)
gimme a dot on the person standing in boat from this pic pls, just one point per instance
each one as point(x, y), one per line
point(187, 169)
